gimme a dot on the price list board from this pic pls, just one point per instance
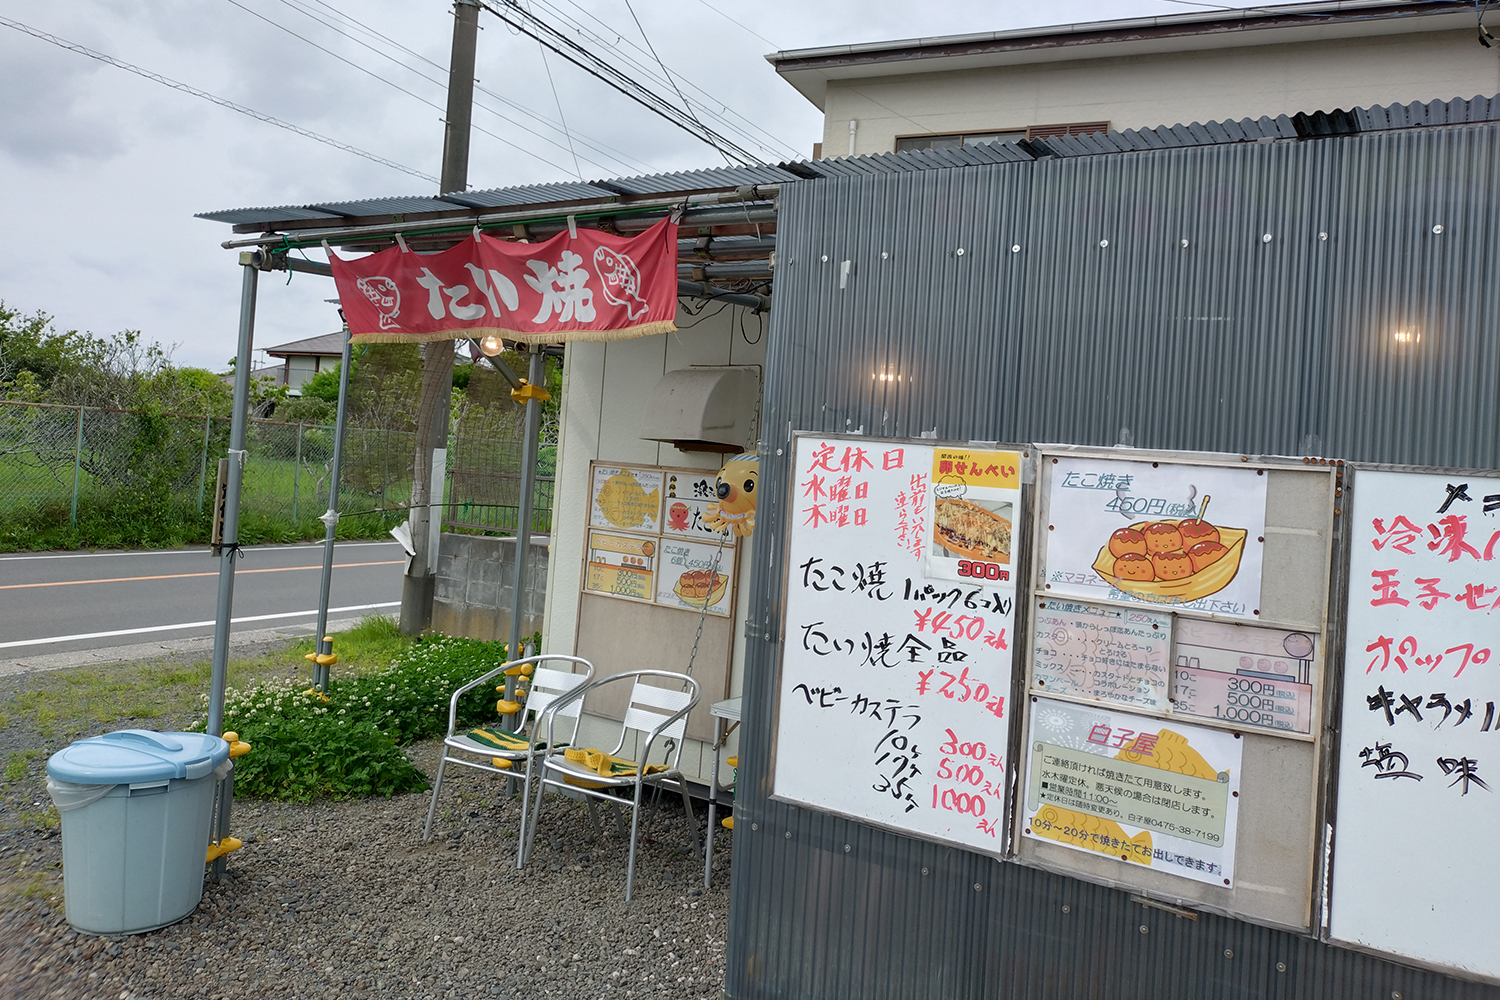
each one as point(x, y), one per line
point(894, 701)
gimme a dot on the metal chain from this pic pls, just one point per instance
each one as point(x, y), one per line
point(713, 575)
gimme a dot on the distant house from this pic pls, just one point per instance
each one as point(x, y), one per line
point(302, 359)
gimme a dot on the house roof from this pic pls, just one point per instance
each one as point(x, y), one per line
point(327, 344)
point(809, 70)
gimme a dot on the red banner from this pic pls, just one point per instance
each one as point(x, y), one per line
point(592, 286)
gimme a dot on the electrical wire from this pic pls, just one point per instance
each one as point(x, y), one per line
point(670, 78)
point(603, 149)
point(650, 73)
point(391, 83)
point(213, 98)
point(533, 26)
point(739, 24)
point(558, 101)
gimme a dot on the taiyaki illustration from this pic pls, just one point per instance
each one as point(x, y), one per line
point(736, 492)
point(625, 503)
point(621, 281)
point(384, 296)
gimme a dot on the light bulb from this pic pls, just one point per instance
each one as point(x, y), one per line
point(491, 345)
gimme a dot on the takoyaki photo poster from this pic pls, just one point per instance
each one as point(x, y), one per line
point(1166, 534)
point(894, 704)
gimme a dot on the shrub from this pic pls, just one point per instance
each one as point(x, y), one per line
point(347, 743)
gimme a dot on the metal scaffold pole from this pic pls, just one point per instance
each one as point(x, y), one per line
point(330, 521)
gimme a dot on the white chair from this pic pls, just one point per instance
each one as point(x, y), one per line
point(548, 687)
point(653, 713)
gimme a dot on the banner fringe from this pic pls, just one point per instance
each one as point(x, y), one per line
point(544, 337)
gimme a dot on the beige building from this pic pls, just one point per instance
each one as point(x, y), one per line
point(1202, 66)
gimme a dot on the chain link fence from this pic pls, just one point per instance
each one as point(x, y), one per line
point(72, 475)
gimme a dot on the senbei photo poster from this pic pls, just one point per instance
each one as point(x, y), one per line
point(1163, 534)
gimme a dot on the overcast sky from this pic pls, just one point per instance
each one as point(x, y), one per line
point(102, 170)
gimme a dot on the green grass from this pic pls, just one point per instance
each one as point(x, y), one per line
point(145, 693)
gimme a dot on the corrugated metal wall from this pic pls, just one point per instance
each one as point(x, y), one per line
point(1273, 330)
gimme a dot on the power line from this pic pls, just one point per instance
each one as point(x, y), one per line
point(214, 98)
point(650, 74)
point(533, 26)
point(739, 24)
point(602, 148)
point(390, 83)
point(670, 79)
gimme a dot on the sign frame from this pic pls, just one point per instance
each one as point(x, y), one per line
point(1021, 568)
point(1304, 917)
point(1332, 747)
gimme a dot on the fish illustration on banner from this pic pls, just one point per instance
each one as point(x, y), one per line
point(736, 492)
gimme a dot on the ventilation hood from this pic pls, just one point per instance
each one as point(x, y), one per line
point(703, 408)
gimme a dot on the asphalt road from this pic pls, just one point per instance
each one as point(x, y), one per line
point(64, 602)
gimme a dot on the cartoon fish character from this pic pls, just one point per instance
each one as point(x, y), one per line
point(625, 503)
point(385, 297)
point(736, 492)
point(621, 281)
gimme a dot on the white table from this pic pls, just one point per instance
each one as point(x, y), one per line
point(727, 711)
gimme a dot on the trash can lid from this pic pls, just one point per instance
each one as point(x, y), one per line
point(134, 755)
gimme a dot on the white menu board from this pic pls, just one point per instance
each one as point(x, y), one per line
point(895, 682)
point(1102, 653)
point(1415, 872)
point(1166, 534)
point(1144, 791)
point(1245, 675)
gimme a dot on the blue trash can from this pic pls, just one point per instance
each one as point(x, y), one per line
point(137, 809)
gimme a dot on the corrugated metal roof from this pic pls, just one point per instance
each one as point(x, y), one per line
point(706, 179)
point(1315, 125)
point(530, 194)
point(328, 343)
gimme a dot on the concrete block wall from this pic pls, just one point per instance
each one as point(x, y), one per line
point(476, 585)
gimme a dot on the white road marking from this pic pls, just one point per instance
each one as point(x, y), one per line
point(168, 628)
point(187, 552)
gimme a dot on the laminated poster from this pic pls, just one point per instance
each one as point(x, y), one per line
point(1415, 870)
point(896, 658)
point(1254, 677)
point(1143, 791)
point(621, 565)
point(1163, 534)
point(629, 499)
point(695, 575)
point(685, 500)
point(1120, 656)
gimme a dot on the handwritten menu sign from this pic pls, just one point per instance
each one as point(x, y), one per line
point(1161, 534)
point(1415, 872)
point(1102, 653)
point(685, 501)
point(1253, 677)
point(1145, 791)
point(629, 499)
point(893, 707)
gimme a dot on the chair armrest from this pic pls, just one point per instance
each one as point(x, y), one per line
point(665, 723)
point(549, 714)
point(453, 701)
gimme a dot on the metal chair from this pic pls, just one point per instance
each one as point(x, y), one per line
point(654, 713)
point(548, 687)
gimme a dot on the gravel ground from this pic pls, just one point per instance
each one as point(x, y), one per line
point(342, 899)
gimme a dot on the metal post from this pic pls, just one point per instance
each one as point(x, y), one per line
point(536, 374)
point(203, 472)
point(297, 474)
point(331, 519)
point(460, 97)
point(77, 464)
point(249, 261)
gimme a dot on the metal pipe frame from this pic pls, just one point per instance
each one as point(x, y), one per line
point(331, 520)
point(692, 217)
point(536, 374)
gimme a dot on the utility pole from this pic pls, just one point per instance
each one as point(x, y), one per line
point(437, 356)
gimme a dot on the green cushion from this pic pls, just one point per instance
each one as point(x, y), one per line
point(499, 739)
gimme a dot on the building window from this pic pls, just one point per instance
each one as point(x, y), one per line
point(906, 144)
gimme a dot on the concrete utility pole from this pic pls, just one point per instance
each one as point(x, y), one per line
point(437, 356)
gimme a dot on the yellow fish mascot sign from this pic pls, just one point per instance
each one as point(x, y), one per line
point(736, 491)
